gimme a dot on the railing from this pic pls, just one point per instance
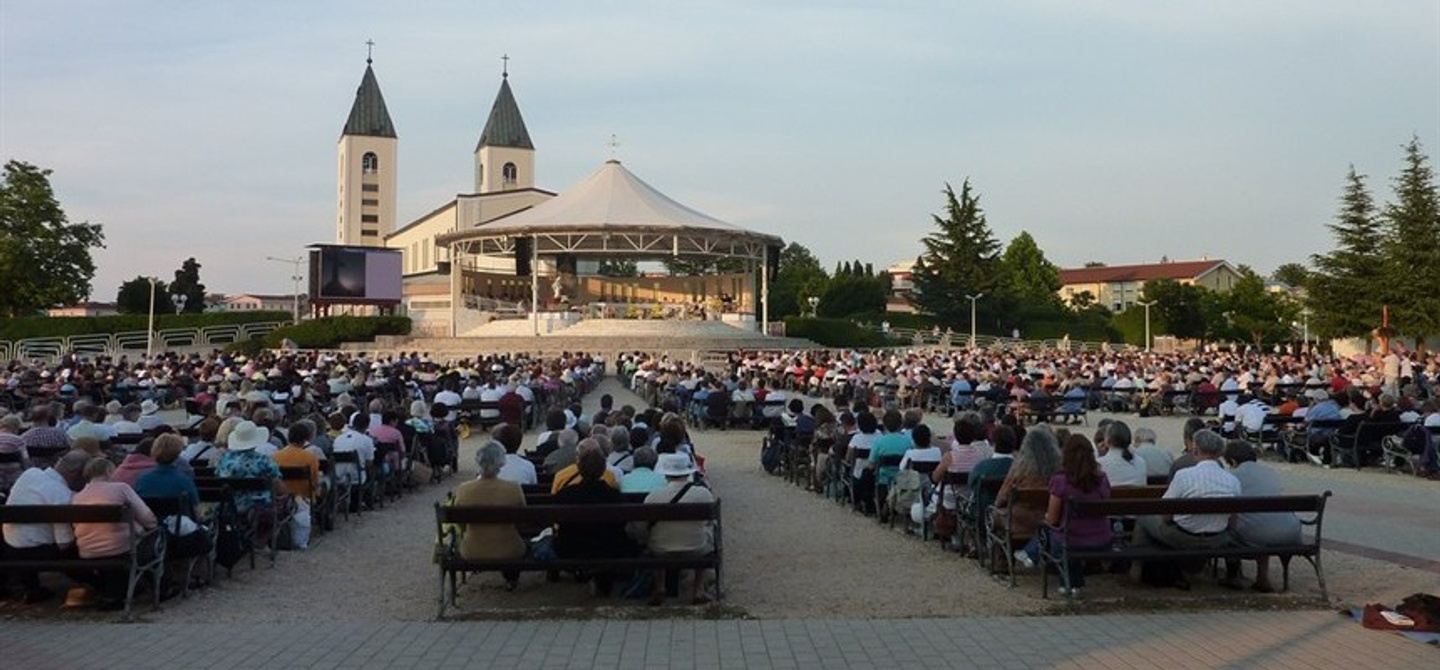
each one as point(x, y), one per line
point(914, 337)
point(114, 344)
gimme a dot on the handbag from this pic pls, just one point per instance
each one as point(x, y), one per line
point(420, 473)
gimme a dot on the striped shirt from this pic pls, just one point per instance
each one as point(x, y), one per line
point(1205, 479)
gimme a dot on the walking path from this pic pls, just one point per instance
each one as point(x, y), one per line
point(1236, 640)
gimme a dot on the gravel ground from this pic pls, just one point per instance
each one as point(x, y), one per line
point(788, 553)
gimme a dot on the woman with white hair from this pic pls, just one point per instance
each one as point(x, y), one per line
point(488, 541)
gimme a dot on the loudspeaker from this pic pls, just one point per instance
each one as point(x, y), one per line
point(522, 256)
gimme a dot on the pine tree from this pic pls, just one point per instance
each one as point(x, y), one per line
point(961, 257)
point(1345, 291)
point(1412, 250)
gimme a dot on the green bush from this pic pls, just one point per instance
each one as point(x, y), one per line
point(901, 320)
point(63, 326)
point(834, 333)
point(331, 331)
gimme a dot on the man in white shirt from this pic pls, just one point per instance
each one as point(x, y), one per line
point(353, 438)
point(129, 421)
point(91, 424)
point(51, 486)
point(517, 468)
point(492, 392)
point(1252, 415)
point(150, 416)
point(449, 398)
point(1205, 479)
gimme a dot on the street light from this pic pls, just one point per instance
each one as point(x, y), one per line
point(294, 277)
point(1305, 329)
point(150, 329)
point(973, 298)
point(1146, 305)
point(179, 300)
point(814, 305)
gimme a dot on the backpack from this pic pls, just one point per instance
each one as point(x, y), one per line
point(771, 453)
point(907, 488)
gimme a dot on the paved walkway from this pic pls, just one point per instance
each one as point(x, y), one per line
point(1239, 640)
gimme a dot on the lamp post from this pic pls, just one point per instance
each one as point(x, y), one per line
point(1146, 305)
point(973, 298)
point(294, 277)
point(1305, 329)
point(814, 305)
point(150, 328)
point(179, 300)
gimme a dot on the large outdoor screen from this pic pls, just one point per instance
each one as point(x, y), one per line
point(357, 274)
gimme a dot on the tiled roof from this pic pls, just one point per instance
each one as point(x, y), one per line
point(1120, 273)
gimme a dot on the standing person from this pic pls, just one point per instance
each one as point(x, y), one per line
point(1122, 467)
point(1080, 480)
point(1266, 529)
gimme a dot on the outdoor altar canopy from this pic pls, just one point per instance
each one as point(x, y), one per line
point(612, 215)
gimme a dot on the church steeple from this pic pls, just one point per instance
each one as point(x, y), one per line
point(368, 116)
point(367, 153)
point(504, 156)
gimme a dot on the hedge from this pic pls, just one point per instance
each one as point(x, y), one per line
point(63, 326)
point(332, 331)
point(834, 333)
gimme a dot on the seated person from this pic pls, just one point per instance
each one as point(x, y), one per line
point(564, 454)
point(55, 485)
point(679, 538)
point(242, 461)
point(517, 468)
point(1080, 479)
point(482, 541)
point(1258, 529)
point(1205, 479)
point(643, 478)
point(104, 540)
point(587, 539)
point(570, 475)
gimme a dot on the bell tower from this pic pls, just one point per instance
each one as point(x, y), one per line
point(366, 154)
point(504, 156)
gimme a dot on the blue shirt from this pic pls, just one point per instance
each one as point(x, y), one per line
point(165, 481)
point(642, 480)
point(890, 444)
point(960, 393)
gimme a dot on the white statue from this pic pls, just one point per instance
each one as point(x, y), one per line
point(557, 287)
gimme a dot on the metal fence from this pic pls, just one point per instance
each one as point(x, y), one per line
point(913, 337)
point(114, 344)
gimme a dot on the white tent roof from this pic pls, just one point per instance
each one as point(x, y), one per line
point(611, 199)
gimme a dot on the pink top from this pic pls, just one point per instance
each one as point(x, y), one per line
point(131, 468)
point(384, 433)
point(98, 540)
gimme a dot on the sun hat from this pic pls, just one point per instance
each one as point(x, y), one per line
point(674, 465)
point(246, 436)
point(149, 407)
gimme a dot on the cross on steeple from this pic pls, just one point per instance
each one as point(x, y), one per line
point(505, 66)
point(369, 51)
point(613, 143)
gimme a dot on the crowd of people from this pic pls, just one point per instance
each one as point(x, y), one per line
point(117, 432)
point(612, 456)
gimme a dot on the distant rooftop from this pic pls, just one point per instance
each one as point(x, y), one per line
point(1105, 274)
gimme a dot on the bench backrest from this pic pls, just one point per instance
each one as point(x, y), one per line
point(924, 467)
point(551, 514)
point(889, 461)
point(547, 499)
point(1239, 505)
point(64, 513)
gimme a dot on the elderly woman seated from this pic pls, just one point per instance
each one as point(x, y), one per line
point(484, 541)
point(103, 540)
point(678, 538)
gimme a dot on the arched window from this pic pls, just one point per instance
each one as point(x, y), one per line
point(508, 173)
point(370, 163)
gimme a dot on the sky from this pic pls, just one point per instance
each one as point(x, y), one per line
point(1112, 130)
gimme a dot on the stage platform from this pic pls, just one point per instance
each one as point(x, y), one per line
point(686, 339)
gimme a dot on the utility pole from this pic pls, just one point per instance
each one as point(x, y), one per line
point(295, 278)
point(150, 329)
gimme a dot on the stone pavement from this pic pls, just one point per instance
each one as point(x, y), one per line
point(1210, 640)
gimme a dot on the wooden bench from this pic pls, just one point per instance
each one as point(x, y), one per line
point(1002, 534)
point(452, 565)
point(151, 542)
point(1062, 556)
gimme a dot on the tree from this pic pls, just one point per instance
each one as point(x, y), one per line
point(134, 297)
point(1178, 307)
point(1028, 274)
point(1345, 289)
point(854, 294)
point(1412, 249)
point(187, 283)
point(1293, 275)
point(1257, 314)
point(682, 266)
point(45, 261)
point(961, 257)
point(618, 268)
point(798, 278)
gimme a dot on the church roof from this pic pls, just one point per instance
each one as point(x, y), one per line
point(368, 115)
point(611, 199)
point(505, 127)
